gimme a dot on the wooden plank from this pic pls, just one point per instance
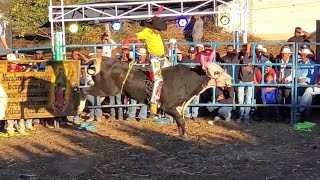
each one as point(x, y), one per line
point(40, 94)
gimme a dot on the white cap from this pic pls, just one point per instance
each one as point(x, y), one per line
point(286, 50)
point(142, 52)
point(305, 51)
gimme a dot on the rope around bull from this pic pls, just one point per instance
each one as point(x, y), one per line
point(131, 64)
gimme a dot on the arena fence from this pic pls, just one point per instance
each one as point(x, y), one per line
point(294, 85)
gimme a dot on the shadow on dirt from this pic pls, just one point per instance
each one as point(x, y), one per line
point(131, 150)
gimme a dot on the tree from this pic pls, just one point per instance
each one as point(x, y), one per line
point(29, 15)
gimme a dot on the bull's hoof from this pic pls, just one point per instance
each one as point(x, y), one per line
point(184, 137)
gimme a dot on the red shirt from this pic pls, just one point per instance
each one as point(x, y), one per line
point(16, 69)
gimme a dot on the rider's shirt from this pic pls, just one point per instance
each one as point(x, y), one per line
point(154, 42)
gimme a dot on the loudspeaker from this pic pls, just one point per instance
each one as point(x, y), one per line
point(318, 41)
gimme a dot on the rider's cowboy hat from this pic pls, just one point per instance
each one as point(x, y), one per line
point(155, 23)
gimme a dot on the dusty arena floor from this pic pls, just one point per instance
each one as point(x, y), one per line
point(145, 150)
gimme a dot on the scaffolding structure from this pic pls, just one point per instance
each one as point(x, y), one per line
point(137, 10)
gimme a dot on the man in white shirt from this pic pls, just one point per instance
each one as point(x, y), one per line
point(285, 77)
point(107, 50)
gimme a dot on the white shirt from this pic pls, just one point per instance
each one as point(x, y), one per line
point(283, 66)
point(107, 50)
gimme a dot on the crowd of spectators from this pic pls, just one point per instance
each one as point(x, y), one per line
point(249, 69)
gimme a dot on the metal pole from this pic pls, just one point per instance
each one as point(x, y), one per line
point(51, 29)
point(245, 33)
point(63, 32)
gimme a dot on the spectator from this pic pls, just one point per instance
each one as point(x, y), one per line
point(191, 57)
point(269, 96)
point(173, 49)
point(3, 34)
point(142, 55)
point(39, 56)
point(209, 47)
point(199, 47)
point(298, 38)
point(306, 74)
point(126, 54)
point(246, 79)
point(230, 54)
point(95, 113)
point(14, 67)
point(285, 77)
point(197, 31)
point(306, 99)
point(259, 54)
point(76, 55)
point(225, 95)
point(107, 50)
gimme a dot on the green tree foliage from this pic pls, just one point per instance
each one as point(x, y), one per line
point(28, 15)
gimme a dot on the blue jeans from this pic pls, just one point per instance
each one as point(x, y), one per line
point(194, 110)
point(94, 113)
point(133, 109)
point(306, 98)
point(223, 111)
point(116, 100)
point(29, 123)
point(245, 97)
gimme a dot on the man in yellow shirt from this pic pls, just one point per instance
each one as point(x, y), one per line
point(156, 49)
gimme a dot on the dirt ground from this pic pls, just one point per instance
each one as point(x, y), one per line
point(145, 150)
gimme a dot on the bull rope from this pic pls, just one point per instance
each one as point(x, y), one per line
point(131, 64)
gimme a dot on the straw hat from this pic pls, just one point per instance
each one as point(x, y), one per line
point(12, 57)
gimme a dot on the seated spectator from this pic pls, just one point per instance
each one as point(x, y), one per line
point(307, 74)
point(225, 95)
point(269, 96)
point(306, 99)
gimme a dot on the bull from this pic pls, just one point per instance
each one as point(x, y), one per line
point(180, 85)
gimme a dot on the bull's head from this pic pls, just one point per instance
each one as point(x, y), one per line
point(95, 67)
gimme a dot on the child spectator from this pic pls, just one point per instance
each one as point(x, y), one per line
point(269, 96)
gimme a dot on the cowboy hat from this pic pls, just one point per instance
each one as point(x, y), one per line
point(305, 51)
point(142, 52)
point(286, 50)
point(11, 57)
point(155, 23)
point(260, 47)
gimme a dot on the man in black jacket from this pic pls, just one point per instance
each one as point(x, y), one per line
point(225, 95)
